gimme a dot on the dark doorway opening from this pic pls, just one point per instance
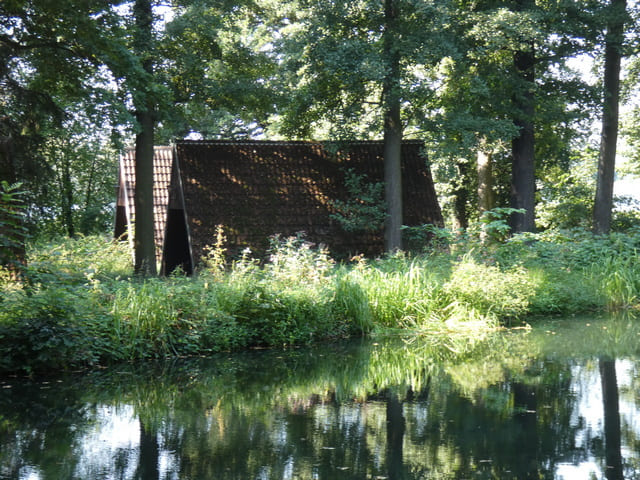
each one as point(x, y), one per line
point(120, 231)
point(176, 244)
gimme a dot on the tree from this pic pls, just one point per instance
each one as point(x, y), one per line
point(53, 80)
point(83, 166)
point(614, 38)
point(218, 66)
point(144, 240)
point(523, 160)
point(508, 98)
point(392, 129)
point(363, 70)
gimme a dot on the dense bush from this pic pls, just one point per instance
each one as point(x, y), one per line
point(77, 306)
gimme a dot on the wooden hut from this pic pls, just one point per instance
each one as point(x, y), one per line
point(256, 189)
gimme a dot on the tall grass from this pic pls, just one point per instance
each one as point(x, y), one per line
point(618, 280)
point(402, 292)
point(79, 304)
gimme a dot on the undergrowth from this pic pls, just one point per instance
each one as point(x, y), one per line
point(78, 305)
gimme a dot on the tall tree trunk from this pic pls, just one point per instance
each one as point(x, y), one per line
point(522, 147)
point(392, 133)
point(461, 197)
point(611, 406)
point(603, 203)
point(484, 171)
point(144, 243)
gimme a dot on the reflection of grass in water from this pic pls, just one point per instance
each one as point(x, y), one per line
point(229, 405)
point(259, 381)
point(209, 395)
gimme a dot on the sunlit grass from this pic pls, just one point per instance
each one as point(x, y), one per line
point(84, 294)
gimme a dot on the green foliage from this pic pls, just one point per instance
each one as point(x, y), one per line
point(402, 293)
point(90, 260)
point(59, 108)
point(365, 209)
point(350, 303)
point(83, 166)
point(567, 196)
point(619, 279)
point(490, 291)
point(13, 231)
point(77, 304)
point(494, 223)
point(489, 230)
point(626, 216)
point(294, 262)
point(45, 331)
point(214, 257)
point(428, 236)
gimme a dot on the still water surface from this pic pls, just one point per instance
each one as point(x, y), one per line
point(560, 401)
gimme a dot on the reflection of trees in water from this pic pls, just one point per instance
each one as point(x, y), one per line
point(395, 437)
point(149, 454)
point(396, 410)
point(611, 408)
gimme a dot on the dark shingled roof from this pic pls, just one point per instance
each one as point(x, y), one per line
point(256, 189)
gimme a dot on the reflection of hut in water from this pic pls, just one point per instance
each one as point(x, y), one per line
point(256, 189)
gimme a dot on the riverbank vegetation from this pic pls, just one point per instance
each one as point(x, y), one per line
point(78, 303)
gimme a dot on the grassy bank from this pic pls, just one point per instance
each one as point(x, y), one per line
point(78, 304)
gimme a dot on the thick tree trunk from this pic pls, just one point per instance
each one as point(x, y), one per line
point(392, 135)
point(393, 179)
point(461, 198)
point(522, 147)
point(485, 179)
point(603, 203)
point(144, 243)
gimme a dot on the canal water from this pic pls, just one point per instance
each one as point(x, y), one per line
point(561, 400)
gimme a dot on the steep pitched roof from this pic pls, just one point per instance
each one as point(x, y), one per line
point(259, 188)
point(162, 165)
point(256, 189)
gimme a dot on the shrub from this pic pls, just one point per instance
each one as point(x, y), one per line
point(489, 290)
point(43, 332)
point(351, 303)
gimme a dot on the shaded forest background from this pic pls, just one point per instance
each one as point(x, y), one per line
point(517, 101)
